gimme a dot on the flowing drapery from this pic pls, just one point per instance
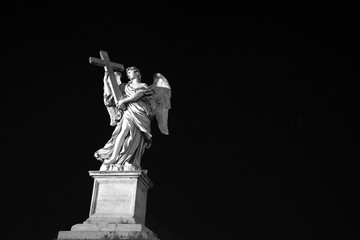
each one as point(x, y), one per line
point(137, 119)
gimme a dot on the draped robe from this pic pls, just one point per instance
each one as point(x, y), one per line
point(136, 117)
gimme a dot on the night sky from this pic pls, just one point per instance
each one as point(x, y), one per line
point(263, 126)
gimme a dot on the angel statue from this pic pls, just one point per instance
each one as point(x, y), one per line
point(132, 116)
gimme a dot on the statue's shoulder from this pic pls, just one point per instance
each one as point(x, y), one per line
point(142, 86)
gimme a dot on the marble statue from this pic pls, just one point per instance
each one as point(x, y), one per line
point(131, 115)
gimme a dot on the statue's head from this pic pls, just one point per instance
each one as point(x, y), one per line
point(133, 72)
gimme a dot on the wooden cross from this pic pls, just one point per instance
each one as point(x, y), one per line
point(110, 66)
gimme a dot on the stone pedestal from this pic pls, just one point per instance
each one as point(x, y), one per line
point(118, 208)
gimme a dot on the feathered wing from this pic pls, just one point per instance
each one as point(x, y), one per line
point(160, 102)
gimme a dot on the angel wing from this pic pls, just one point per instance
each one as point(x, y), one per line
point(160, 101)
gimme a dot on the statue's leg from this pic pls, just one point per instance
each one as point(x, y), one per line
point(119, 141)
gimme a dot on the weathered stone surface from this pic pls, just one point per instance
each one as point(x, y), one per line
point(118, 208)
point(107, 231)
point(119, 197)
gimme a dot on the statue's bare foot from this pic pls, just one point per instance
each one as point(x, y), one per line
point(115, 167)
point(104, 167)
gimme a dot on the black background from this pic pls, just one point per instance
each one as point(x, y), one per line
point(263, 127)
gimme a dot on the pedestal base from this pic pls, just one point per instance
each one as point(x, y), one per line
point(107, 232)
point(118, 208)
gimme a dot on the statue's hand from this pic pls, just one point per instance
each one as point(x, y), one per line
point(148, 92)
point(120, 105)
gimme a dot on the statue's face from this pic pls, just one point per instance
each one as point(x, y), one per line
point(132, 74)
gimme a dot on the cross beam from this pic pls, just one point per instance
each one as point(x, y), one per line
point(110, 66)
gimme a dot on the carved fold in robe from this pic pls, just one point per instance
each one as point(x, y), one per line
point(136, 118)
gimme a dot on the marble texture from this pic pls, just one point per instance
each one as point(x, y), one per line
point(119, 197)
point(117, 209)
point(107, 231)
